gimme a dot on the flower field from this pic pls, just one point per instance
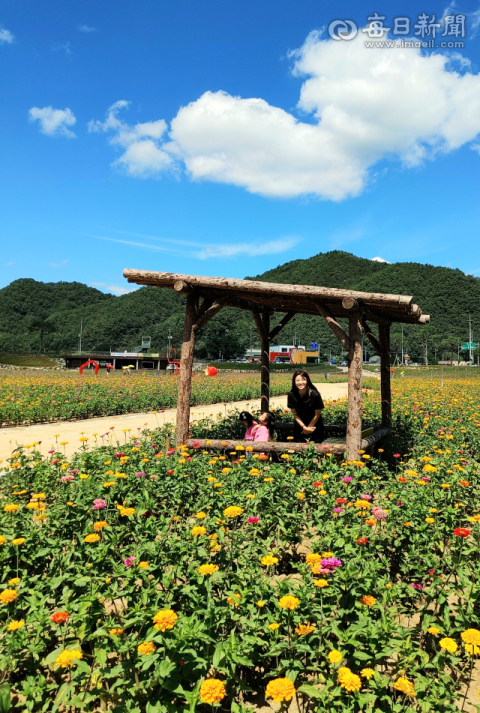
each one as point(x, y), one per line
point(141, 579)
point(42, 396)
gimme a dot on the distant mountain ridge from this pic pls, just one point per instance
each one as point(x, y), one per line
point(448, 295)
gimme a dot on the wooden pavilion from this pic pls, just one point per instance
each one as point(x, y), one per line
point(205, 296)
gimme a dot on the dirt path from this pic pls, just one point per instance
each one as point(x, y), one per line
point(71, 431)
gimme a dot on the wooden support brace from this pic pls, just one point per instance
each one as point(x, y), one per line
point(370, 336)
point(262, 321)
point(334, 325)
point(354, 423)
point(281, 325)
point(185, 375)
point(206, 316)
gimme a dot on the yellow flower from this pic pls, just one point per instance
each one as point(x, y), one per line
point(429, 468)
point(407, 524)
point(434, 630)
point(198, 530)
point(367, 600)
point(274, 626)
point(66, 658)
point(143, 565)
point(234, 601)
point(363, 504)
point(207, 569)
point(304, 629)
point(367, 673)
point(289, 602)
point(300, 496)
point(92, 538)
point(320, 583)
point(212, 691)
point(260, 603)
point(83, 476)
point(445, 486)
point(433, 511)
point(280, 689)
point(226, 470)
point(449, 645)
point(469, 636)
point(430, 520)
point(268, 480)
point(200, 515)
point(127, 512)
point(100, 525)
point(312, 558)
point(269, 560)
point(12, 507)
point(147, 648)
point(116, 632)
point(19, 541)
point(232, 511)
point(165, 619)
point(405, 686)
point(15, 625)
point(348, 680)
point(335, 656)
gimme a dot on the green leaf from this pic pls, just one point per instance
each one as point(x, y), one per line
point(5, 698)
point(166, 667)
point(309, 691)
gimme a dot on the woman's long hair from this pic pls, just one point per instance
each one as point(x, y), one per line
point(269, 421)
point(246, 416)
point(310, 387)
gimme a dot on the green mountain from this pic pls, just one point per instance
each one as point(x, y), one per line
point(31, 311)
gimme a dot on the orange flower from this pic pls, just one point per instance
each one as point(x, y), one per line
point(59, 617)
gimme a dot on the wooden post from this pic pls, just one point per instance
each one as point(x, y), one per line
point(354, 423)
point(385, 385)
point(263, 326)
point(185, 376)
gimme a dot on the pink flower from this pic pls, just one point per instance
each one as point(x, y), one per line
point(129, 561)
point(418, 587)
point(67, 478)
point(98, 504)
point(331, 562)
point(347, 479)
point(365, 497)
point(119, 455)
point(426, 479)
point(52, 451)
point(379, 513)
point(253, 520)
point(397, 455)
point(140, 475)
point(337, 510)
point(170, 451)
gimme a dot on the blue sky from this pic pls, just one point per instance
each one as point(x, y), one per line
point(227, 138)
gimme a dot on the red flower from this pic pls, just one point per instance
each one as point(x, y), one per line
point(59, 617)
point(431, 572)
point(170, 472)
point(362, 540)
point(461, 532)
point(397, 455)
point(341, 501)
point(402, 479)
point(317, 484)
point(465, 483)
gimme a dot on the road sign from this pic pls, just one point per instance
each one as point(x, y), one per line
point(314, 346)
point(468, 345)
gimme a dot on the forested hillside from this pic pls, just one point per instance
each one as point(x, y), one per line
point(33, 312)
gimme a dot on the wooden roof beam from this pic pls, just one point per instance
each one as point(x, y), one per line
point(286, 319)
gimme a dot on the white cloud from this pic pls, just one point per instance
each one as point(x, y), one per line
point(361, 106)
point(474, 23)
point(114, 289)
point(380, 259)
point(58, 264)
point(53, 122)
point(63, 46)
point(204, 251)
point(142, 156)
point(6, 36)
point(86, 28)
point(10, 263)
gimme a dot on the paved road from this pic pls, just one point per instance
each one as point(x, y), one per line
point(51, 434)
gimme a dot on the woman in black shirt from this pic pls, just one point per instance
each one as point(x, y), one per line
point(306, 405)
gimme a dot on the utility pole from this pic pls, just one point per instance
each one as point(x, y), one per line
point(80, 337)
point(426, 352)
point(458, 353)
point(470, 339)
point(402, 346)
point(169, 341)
